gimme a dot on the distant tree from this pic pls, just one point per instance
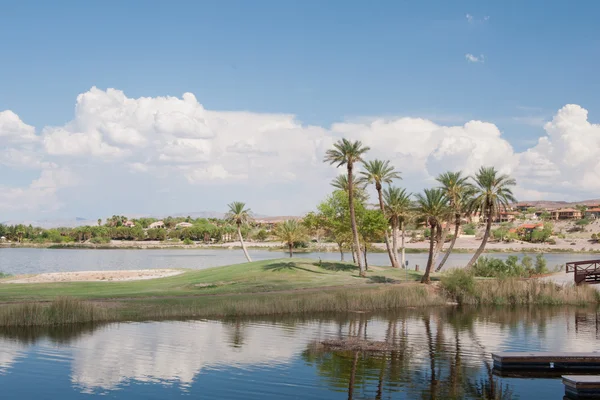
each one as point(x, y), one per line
point(239, 215)
point(459, 192)
point(379, 172)
point(398, 210)
point(290, 232)
point(492, 195)
point(348, 153)
point(432, 208)
point(99, 222)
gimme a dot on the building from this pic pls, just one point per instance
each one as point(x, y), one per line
point(566, 213)
point(506, 216)
point(157, 224)
point(522, 207)
point(593, 212)
point(184, 225)
point(526, 230)
point(129, 224)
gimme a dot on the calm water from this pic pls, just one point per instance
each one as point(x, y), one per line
point(29, 261)
point(440, 353)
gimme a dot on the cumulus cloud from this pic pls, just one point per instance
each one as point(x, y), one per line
point(118, 145)
point(474, 59)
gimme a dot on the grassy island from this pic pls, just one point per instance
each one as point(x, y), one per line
point(264, 288)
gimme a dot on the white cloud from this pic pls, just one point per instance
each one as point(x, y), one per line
point(469, 18)
point(123, 145)
point(475, 59)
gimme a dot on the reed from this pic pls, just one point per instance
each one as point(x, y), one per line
point(463, 288)
point(61, 311)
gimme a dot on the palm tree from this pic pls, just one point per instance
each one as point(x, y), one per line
point(432, 208)
point(378, 172)
point(340, 182)
point(289, 232)
point(458, 191)
point(397, 209)
point(492, 194)
point(99, 221)
point(239, 214)
point(347, 153)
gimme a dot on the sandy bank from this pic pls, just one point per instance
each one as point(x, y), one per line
point(95, 276)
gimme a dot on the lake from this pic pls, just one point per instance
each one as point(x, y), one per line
point(437, 353)
point(32, 261)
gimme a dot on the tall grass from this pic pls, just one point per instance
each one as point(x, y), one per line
point(462, 287)
point(62, 311)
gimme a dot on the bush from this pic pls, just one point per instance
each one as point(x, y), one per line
point(188, 241)
point(100, 240)
point(262, 235)
point(3, 275)
point(469, 229)
point(459, 284)
point(540, 264)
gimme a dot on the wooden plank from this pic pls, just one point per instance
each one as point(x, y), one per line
point(547, 360)
point(581, 386)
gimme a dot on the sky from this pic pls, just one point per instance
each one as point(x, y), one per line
point(156, 108)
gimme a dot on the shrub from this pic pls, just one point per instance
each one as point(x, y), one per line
point(262, 235)
point(540, 264)
point(188, 241)
point(469, 229)
point(100, 240)
point(3, 275)
point(459, 285)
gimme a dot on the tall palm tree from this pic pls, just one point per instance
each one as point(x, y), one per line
point(432, 208)
point(348, 153)
point(458, 191)
point(239, 214)
point(378, 172)
point(289, 232)
point(397, 209)
point(492, 195)
point(340, 182)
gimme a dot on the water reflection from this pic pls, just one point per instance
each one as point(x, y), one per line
point(430, 354)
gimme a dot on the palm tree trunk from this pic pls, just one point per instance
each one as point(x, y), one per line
point(403, 247)
point(366, 263)
point(486, 235)
point(291, 248)
point(393, 257)
point(441, 238)
point(425, 278)
point(361, 267)
point(239, 229)
point(395, 238)
point(341, 252)
point(456, 230)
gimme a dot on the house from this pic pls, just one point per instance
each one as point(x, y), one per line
point(2, 239)
point(526, 230)
point(184, 225)
point(522, 207)
point(566, 213)
point(506, 216)
point(593, 212)
point(129, 224)
point(157, 224)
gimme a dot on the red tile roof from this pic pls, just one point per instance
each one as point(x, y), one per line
point(530, 226)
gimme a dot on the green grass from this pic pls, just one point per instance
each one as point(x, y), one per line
point(260, 276)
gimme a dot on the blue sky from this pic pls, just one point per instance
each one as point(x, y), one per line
point(322, 61)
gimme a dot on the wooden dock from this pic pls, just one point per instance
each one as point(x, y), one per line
point(581, 386)
point(546, 361)
point(584, 271)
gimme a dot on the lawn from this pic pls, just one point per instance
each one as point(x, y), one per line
point(255, 277)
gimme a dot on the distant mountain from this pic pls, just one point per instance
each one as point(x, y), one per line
point(549, 204)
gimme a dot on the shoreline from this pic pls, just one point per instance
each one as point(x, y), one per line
point(468, 246)
point(270, 287)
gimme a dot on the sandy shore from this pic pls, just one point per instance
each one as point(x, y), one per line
point(95, 276)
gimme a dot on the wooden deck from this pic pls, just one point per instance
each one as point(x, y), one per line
point(546, 361)
point(584, 271)
point(581, 386)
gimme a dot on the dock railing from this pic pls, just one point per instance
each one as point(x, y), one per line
point(584, 271)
